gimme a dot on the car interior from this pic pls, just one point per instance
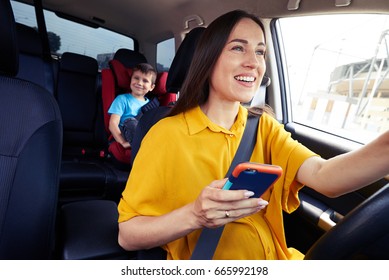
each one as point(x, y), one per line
point(62, 173)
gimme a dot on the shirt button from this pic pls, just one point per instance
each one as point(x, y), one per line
point(268, 250)
point(231, 135)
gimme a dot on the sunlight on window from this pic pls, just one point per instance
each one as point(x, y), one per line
point(338, 73)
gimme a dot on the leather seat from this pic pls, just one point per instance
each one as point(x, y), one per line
point(30, 156)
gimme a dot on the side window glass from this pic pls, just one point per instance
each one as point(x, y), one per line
point(338, 73)
point(68, 36)
point(165, 54)
point(98, 43)
point(24, 14)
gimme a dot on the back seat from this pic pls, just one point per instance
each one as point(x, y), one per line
point(99, 235)
point(85, 172)
point(102, 215)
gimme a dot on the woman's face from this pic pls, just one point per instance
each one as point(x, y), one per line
point(239, 70)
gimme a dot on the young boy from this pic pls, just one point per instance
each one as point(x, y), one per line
point(126, 107)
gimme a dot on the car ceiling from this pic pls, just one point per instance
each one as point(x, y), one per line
point(155, 20)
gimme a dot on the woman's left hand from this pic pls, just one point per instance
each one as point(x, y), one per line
point(215, 207)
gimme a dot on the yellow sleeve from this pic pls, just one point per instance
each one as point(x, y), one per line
point(281, 149)
point(145, 190)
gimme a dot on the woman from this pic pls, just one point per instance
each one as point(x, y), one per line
point(180, 193)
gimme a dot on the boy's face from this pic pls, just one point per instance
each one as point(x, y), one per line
point(141, 83)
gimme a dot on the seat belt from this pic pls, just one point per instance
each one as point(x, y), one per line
point(209, 237)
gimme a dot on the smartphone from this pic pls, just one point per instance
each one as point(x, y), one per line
point(255, 177)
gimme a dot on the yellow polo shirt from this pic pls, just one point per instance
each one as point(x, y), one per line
point(182, 154)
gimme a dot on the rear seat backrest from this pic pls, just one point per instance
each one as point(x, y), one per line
point(84, 171)
point(33, 67)
point(77, 98)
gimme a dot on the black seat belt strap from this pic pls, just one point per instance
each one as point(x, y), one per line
point(209, 237)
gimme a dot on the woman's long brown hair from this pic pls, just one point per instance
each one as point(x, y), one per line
point(195, 89)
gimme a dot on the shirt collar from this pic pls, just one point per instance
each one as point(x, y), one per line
point(198, 121)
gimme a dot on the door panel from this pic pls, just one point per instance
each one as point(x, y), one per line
point(317, 213)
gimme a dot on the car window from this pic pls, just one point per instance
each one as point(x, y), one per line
point(24, 14)
point(338, 73)
point(165, 54)
point(67, 36)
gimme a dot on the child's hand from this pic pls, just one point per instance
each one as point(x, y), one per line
point(126, 145)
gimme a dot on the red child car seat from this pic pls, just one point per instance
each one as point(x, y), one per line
point(116, 80)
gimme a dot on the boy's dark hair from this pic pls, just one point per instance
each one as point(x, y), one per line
point(146, 68)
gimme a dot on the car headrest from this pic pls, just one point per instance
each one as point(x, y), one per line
point(9, 52)
point(79, 63)
point(129, 58)
point(182, 59)
point(160, 83)
point(29, 40)
point(121, 74)
point(265, 81)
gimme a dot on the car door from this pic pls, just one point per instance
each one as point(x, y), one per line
point(334, 92)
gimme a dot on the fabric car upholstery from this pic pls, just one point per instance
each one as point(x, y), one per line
point(30, 156)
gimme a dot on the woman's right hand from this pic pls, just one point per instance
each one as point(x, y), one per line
point(215, 207)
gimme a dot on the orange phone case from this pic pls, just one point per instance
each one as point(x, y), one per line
point(255, 177)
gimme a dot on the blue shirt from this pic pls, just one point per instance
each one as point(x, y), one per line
point(126, 106)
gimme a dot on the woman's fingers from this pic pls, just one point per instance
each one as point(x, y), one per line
point(240, 212)
point(215, 207)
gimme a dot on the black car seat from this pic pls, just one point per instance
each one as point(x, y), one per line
point(33, 66)
point(85, 172)
point(129, 58)
point(30, 156)
point(181, 62)
point(90, 231)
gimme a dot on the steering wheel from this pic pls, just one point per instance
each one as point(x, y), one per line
point(361, 234)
